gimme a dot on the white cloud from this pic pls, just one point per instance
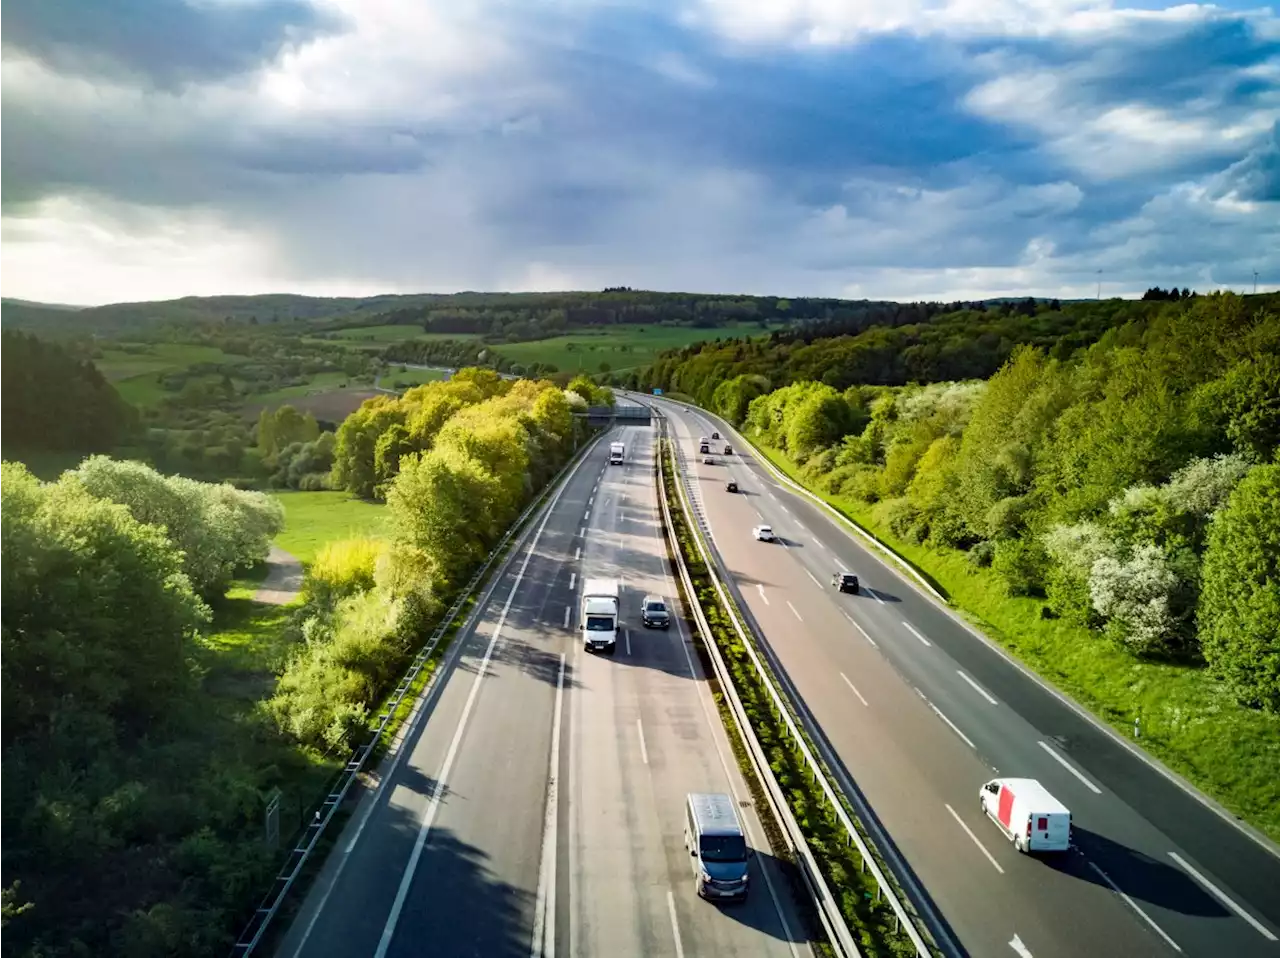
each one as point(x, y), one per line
point(435, 146)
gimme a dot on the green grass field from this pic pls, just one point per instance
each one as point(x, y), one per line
point(313, 518)
point(413, 377)
point(1188, 721)
point(117, 365)
point(320, 382)
point(622, 347)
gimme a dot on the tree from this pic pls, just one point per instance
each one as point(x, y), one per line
point(442, 504)
point(1239, 614)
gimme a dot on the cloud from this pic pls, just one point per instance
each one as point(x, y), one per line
point(165, 42)
point(824, 148)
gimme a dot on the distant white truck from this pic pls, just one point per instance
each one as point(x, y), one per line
point(600, 615)
point(617, 453)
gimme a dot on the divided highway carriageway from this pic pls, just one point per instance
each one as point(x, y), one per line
point(536, 806)
point(918, 711)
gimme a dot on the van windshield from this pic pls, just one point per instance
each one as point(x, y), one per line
point(723, 848)
point(599, 623)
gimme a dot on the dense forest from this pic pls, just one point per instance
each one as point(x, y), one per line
point(911, 343)
point(1132, 486)
point(128, 830)
point(54, 401)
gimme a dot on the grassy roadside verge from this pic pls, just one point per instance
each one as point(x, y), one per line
point(870, 920)
point(1230, 753)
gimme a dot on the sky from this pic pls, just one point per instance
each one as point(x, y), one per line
point(881, 149)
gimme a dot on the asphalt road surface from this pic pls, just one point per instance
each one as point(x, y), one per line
point(920, 712)
point(536, 806)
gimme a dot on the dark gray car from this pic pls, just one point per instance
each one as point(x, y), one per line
point(653, 613)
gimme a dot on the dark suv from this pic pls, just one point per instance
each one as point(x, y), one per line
point(653, 613)
point(845, 582)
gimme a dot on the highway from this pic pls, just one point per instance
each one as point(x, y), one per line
point(536, 805)
point(919, 711)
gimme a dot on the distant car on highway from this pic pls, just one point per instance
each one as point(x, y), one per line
point(764, 534)
point(708, 460)
point(730, 486)
point(653, 613)
point(845, 582)
point(728, 449)
point(715, 435)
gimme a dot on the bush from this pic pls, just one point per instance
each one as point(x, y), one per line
point(1007, 518)
point(981, 554)
point(902, 519)
point(1240, 609)
point(341, 569)
point(1022, 565)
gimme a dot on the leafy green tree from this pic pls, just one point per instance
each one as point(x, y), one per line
point(97, 613)
point(1239, 614)
point(354, 468)
point(442, 504)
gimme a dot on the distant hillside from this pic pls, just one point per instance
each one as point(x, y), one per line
point(898, 344)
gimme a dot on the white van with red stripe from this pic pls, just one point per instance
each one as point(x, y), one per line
point(1033, 819)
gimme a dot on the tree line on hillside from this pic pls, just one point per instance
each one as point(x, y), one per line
point(126, 832)
point(373, 441)
point(1133, 489)
point(54, 401)
point(524, 316)
point(456, 461)
point(967, 344)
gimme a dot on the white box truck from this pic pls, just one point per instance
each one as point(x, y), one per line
point(1029, 816)
point(617, 453)
point(600, 615)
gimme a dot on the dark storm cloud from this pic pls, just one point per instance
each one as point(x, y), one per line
point(167, 42)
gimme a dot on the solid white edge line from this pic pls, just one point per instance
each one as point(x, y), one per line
point(916, 632)
point(813, 577)
point(573, 577)
point(937, 711)
point(1134, 905)
point(577, 554)
point(626, 635)
point(968, 831)
point(793, 610)
point(433, 805)
point(853, 622)
point(854, 688)
point(675, 925)
point(1070, 768)
point(582, 531)
point(644, 752)
point(544, 931)
point(1223, 897)
point(978, 688)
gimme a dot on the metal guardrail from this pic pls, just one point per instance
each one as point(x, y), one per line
point(828, 910)
point(257, 926)
point(784, 709)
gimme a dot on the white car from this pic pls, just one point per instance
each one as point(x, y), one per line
point(764, 533)
point(708, 460)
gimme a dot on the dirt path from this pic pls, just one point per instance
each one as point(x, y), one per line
point(283, 581)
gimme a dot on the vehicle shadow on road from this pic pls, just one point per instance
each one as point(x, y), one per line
point(758, 911)
point(1138, 875)
point(878, 594)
